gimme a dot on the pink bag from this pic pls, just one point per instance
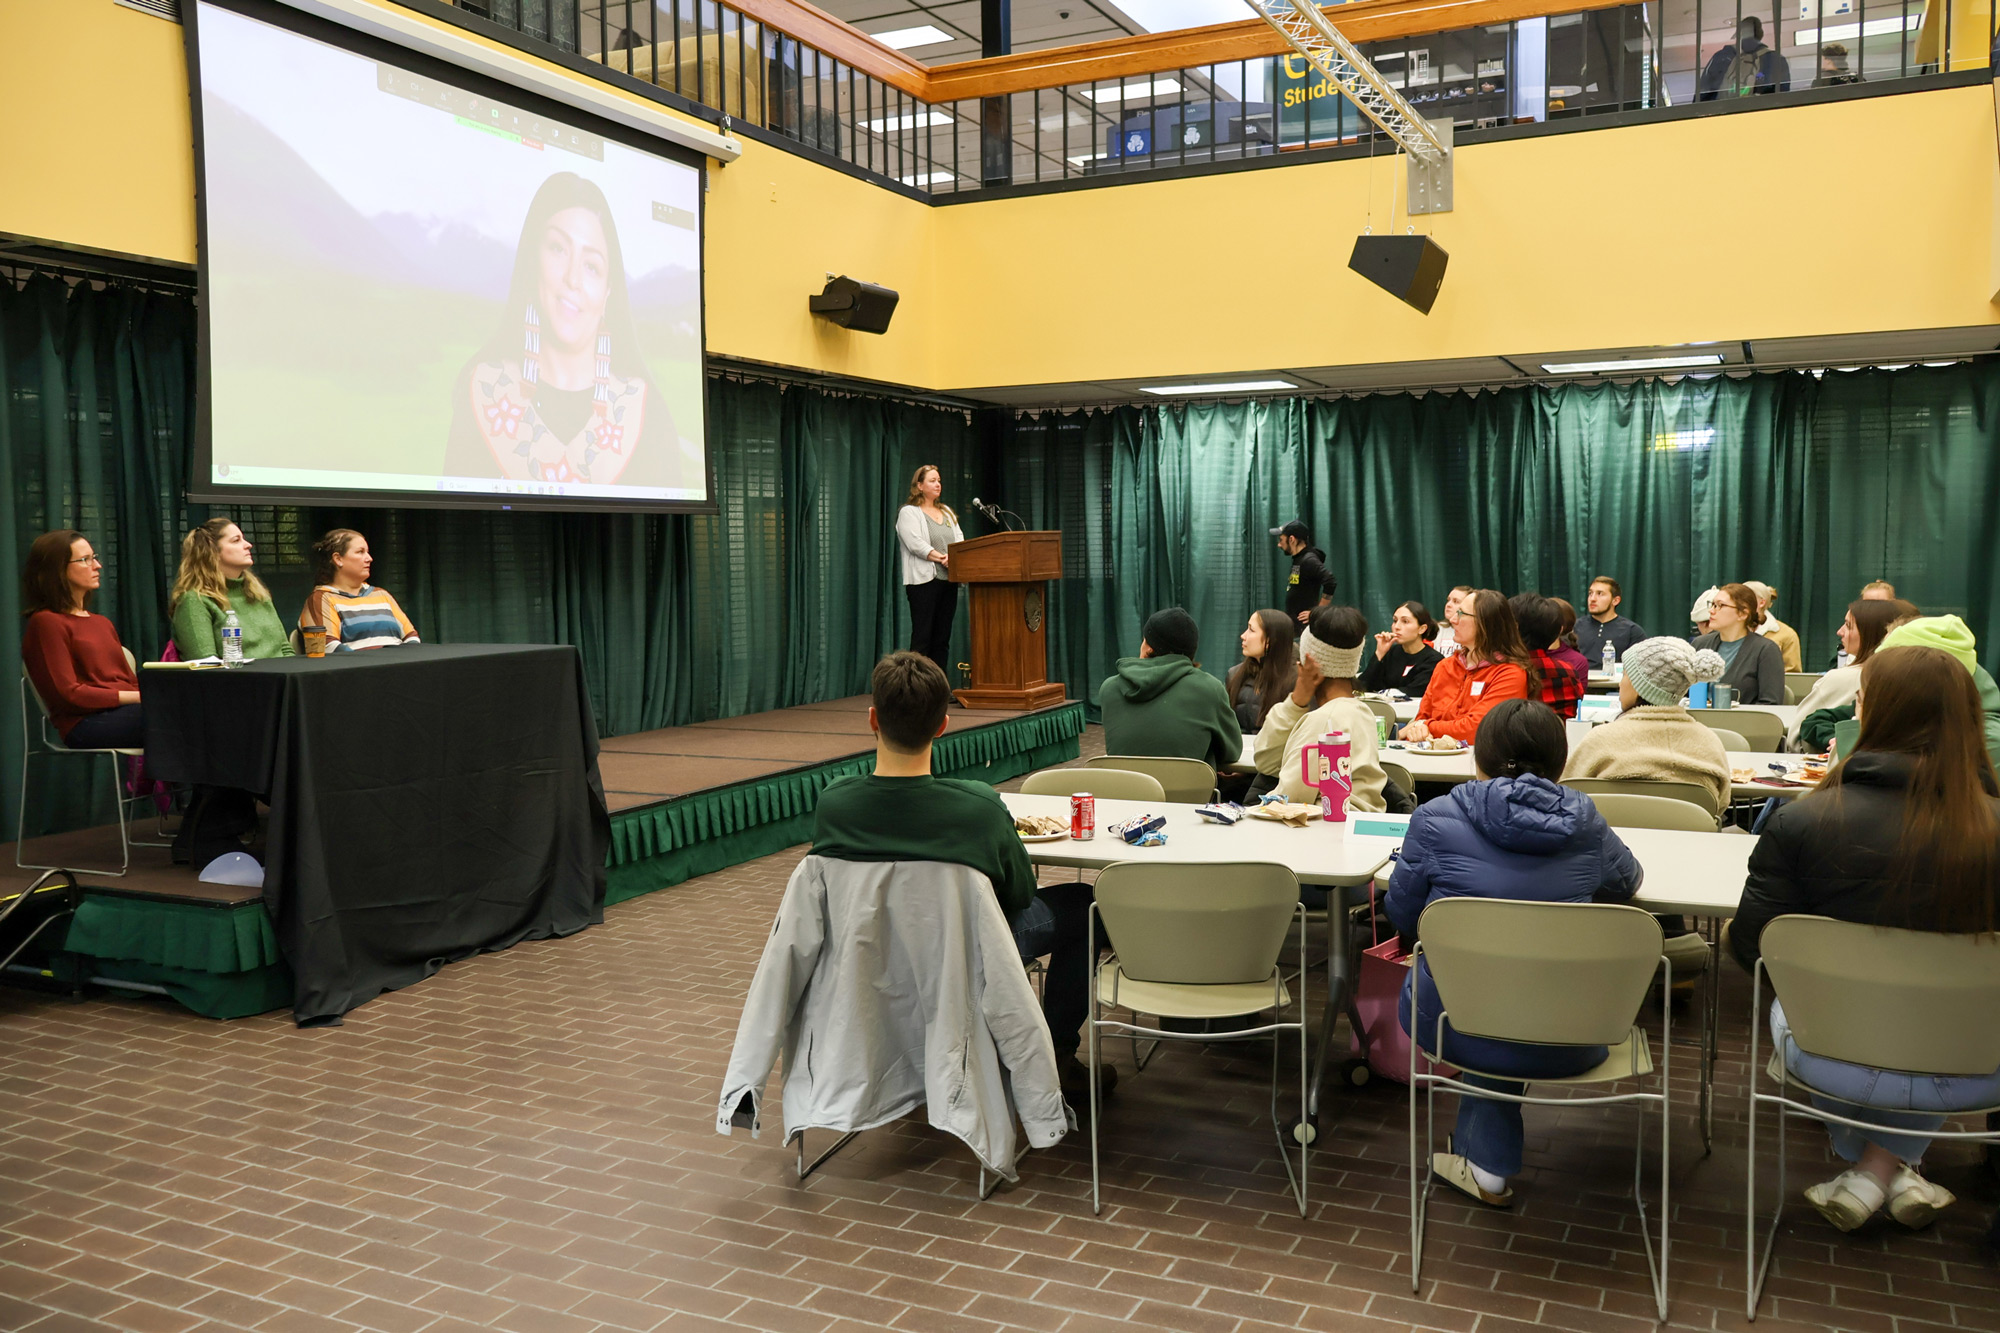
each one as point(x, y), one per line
point(1378, 987)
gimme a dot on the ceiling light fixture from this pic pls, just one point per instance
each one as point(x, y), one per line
point(929, 178)
point(1633, 363)
point(896, 124)
point(904, 39)
point(1157, 88)
point(1227, 386)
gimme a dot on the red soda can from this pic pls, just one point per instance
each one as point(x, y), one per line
point(1082, 817)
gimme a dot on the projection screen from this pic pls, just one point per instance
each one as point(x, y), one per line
point(420, 287)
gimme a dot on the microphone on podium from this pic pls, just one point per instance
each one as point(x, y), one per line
point(992, 512)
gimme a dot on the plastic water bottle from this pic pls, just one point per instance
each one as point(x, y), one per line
point(232, 639)
point(1610, 660)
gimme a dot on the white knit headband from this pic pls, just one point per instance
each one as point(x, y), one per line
point(1334, 663)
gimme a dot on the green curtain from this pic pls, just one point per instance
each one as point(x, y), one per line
point(1814, 484)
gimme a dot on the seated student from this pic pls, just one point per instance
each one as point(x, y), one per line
point(1704, 607)
point(1515, 834)
point(1446, 638)
point(902, 813)
point(1656, 739)
point(1753, 666)
point(74, 656)
point(356, 614)
point(1904, 832)
point(1322, 701)
point(1269, 666)
point(1564, 680)
point(1860, 635)
point(215, 579)
point(1948, 634)
point(1880, 590)
point(1162, 703)
point(1604, 625)
point(1403, 658)
point(1774, 629)
point(1492, 664)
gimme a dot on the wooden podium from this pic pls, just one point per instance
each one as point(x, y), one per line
point(1008, 572)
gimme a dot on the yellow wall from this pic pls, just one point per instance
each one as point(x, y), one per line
point(1846, 217)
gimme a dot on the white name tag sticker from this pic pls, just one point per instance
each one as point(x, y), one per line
point(1478, 688)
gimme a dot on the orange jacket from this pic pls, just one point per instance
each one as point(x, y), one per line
point(1459, 697)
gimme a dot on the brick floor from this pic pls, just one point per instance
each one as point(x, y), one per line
point(524, 1143)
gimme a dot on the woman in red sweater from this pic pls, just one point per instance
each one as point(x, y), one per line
point(1492, 664)
point(74, 657)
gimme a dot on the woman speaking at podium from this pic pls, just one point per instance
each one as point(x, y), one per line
point(925, 530)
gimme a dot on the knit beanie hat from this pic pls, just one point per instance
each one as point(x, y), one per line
point(1334, 663)
point(1948, 633)
point(1172, 631)
point(1662, 669)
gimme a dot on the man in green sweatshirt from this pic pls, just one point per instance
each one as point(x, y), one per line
point(1162, 703)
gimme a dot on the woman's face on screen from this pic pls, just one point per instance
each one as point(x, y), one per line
point(576, 278)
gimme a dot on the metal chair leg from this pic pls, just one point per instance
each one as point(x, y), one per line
point(807, 1168)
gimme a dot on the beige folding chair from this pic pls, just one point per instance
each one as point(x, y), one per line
point(1687, 793)
point(1689, 952)
point(1733, 741)
point(1110, 784)
point(1381, 708)
point(51, 745)
point(1185, 781)
point(1559, 974)
point(1198, 942)
point(1907, 1000)
point(1399, 775)
point(1760, 730)
point(1802, 681)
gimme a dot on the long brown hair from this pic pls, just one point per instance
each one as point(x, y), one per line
point(916, 496)
point(201, 568)
point(1567, 634)
point(45, 584)
point(1499, 633)
point(1921, 703)
point(1273, 674)
point(1874, 618)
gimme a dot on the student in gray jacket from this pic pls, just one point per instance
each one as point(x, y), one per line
point(1753, 665)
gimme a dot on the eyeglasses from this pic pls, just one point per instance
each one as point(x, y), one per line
point(85, 560)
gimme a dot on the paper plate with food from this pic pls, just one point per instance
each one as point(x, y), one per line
point(1041, 828)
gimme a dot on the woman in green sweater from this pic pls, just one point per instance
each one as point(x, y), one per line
point(215, 579)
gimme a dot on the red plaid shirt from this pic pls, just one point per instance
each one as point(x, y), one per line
point(1562, 684)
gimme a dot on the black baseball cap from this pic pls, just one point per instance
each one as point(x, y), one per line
point(1295, 528)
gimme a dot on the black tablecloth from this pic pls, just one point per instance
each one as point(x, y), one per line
point(427, 803)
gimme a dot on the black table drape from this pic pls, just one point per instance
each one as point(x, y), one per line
point(427, 803)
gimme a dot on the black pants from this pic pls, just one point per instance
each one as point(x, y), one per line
point(120, 728)
point(932, 605)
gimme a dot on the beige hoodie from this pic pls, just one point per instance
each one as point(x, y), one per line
point(1656, 743)
point(1288, 729)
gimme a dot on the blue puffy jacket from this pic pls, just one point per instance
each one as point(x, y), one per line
point(1521, 838)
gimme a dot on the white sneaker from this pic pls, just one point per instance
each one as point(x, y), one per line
point(1916, 1202)
point(1848, 1200)
point(1456, 1172)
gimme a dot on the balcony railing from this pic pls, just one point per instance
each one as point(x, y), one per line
point(865, 106)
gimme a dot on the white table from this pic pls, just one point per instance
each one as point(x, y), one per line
point(1332, 856)
point(1756, 791)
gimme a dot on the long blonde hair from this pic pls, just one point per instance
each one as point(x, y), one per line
point(916, 495)
point(201, 568)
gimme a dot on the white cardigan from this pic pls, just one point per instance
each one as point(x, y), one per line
point(913, 540)
point(890, 985)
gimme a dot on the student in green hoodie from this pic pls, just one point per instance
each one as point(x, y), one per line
point(1162, 703)
point(1947, 633)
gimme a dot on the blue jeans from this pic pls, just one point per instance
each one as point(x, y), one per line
point(1881, 1097)
point(120, 728)
point(1489, 1133)
point(1057, 924)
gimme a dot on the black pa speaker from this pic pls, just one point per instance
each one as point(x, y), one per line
point(852, 304)
point(1410, 268)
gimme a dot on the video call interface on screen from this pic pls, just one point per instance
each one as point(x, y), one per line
point(413, 287)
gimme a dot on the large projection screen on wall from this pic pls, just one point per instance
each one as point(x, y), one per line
point(423, 287)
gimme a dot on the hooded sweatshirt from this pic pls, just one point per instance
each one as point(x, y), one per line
point(1166, 705)
point(1308, 582)
point(1521, 838)
point(1947, 634)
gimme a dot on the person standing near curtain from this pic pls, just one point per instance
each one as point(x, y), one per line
point(925, 530)
point(1308, 585)
point(73, 656)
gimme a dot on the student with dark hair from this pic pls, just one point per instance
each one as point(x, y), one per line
point(1492, 664)
point(1860, 635)
point(1753, 665)
point(1269, 667)
point(1904, 832)
point(73, 655)
point(1323, 700)
point(1308, 585)
point(354, 612)
point(1162, 703)
point(1604, 625)
point(1403, 658)
point(1745, 67)
point(1512, 833)
point(1563, 681)
point(900, 812)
